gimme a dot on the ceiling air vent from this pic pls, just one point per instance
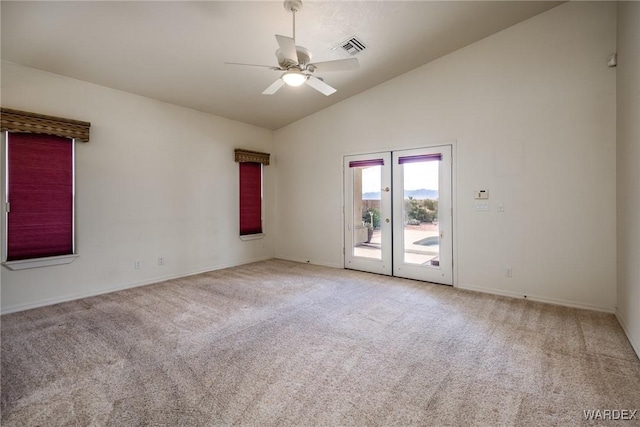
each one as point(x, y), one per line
point(353, 46)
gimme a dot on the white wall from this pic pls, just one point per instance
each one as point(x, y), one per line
point(532, 111)
point(155, 180)
point(628, 112)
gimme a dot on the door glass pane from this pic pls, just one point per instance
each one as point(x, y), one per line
point(367, 182)
point(420, 213)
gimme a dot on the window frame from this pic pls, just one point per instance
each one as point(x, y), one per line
point(42, 261)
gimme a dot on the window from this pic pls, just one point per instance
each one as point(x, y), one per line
point(39, 188)
point(250, 191)
point(250, 198)
point(40, 196)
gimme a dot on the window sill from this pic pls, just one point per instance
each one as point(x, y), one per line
point(252, 236)
point(25, 264)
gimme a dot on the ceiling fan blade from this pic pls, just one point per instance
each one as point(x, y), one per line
point(253, 65)
point(287, 48)
point(320, 86)
point(274, 87)
point(337, 65)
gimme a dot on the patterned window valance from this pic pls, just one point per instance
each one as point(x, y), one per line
point(252, 156)
point(23, 122)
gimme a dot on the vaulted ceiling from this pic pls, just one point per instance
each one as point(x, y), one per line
point(176, 51)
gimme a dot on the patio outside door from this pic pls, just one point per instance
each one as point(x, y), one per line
point(398, 214)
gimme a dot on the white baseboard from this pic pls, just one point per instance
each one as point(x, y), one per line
point(555, 301)
point(625, 328)
point(306, 261)
point(57, 300)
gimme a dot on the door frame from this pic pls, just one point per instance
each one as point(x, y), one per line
point(384, 265)
point(443, 272)
point(454, 193)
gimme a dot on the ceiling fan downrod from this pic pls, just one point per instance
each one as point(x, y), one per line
point(293, 6)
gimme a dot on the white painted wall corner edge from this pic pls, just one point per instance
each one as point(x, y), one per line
point(627, 332)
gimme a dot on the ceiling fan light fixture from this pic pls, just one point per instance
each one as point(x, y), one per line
point(294, 78)
point(296, 63)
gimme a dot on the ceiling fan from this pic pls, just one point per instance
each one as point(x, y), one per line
point(295, 62)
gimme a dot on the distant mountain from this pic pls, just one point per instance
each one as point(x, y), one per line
point(371, 196)
point(421, 194)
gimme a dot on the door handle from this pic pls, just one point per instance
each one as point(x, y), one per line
point(386, 220)
point(442, 235)
point(386, 189)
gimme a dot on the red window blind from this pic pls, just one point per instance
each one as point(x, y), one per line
point(250, 198)
point(40, 171)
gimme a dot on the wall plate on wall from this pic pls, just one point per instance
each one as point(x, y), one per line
point(482, 206)
point(482, 194)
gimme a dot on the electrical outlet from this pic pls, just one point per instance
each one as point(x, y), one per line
point(161, 260)
point(136, 265)
point(508, 272)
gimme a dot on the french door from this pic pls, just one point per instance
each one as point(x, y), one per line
point(398, 213)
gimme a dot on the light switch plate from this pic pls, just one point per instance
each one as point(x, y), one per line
point(482, 194)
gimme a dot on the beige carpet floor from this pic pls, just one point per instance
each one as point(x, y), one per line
point(282, 343)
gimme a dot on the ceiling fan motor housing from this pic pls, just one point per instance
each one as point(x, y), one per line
point(304, 58)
